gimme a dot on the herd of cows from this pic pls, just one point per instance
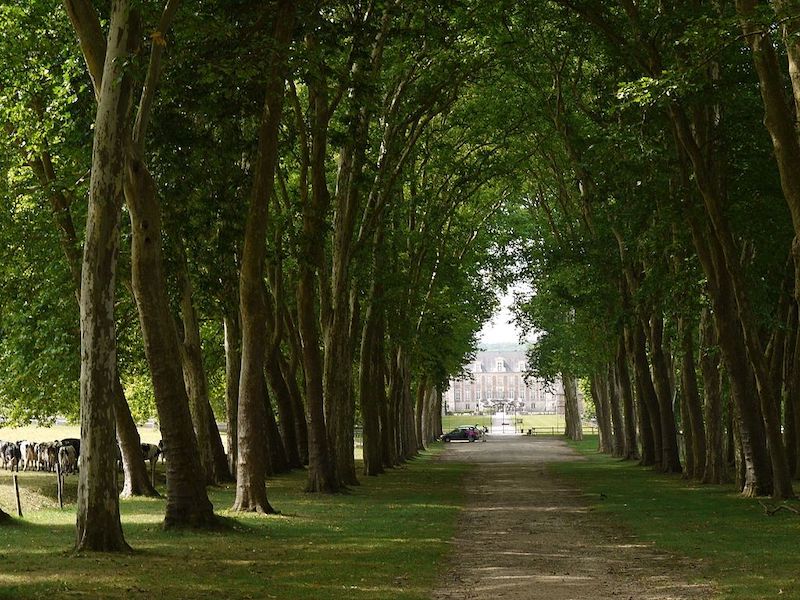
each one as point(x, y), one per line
point(45, 456)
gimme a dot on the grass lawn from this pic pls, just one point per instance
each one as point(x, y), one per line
point(744, 552)
point(383, 540)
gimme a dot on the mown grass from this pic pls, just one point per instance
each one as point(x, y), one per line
point(733, 543)
point(383, 539)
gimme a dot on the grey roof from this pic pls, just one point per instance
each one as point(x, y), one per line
point(488, 360)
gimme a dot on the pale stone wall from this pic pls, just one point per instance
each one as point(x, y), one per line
point(499, 377)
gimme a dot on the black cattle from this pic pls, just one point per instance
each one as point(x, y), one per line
point(75, 443)
point(68, 459)
point(11, 455)
point(150, 452)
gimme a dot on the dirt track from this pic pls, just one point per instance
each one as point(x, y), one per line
point(524, 535)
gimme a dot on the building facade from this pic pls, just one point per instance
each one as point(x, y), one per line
point(496, 379)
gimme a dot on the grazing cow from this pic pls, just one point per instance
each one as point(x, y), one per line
point(48, 455)
point(68, 459)
point(29, 455)
point(75, 443)
point(11, 455)
point(151, 452)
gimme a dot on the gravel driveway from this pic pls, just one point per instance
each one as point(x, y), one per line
point(523, 534)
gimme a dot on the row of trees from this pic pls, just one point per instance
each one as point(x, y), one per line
point(313, 224)
point(663, 203)
point(322, 196)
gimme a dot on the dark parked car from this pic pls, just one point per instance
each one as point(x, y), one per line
point(468, 433)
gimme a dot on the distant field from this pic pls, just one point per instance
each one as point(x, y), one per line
point(36, 433)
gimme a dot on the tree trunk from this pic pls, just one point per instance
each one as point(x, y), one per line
point(779, 118)
point(288, 427)
point(437, 414)
point(728, 263)
point(187, 501)
point(137, 479)
point(251, 494)
point(793, 401)
point(758, 475)
point(233, 365)
point(296, 396)
point(338, 389)
point(650, 419)
point(408, 445)
point(670, 459)
point(572, 413)
point(691, 396)
point(618, 426)
point(419, 411)
point(275, 444)
point(371, 386)
point(714, 471)
point(98, 520)
point(599, 390)
point(209, 441)
point(626, 393)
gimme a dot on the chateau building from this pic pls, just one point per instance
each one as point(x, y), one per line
point(498, 377)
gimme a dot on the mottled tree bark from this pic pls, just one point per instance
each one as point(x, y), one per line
point(670, 459)
point(275, 444)
point(714, 465)
point(626, 392)
point(650, 420)
point(574, 429)
point(779, 118)
point(233, 365)
point(691, 395)
point(98, 520)
point(747, 416)
point(286, 412)
point(296, 396)
point(136, 478)
point(251, 494)
point(371, 386)
point(419, 411)
point(615, 412)
point(599, 390)
point(209, 441)
point(793, 403)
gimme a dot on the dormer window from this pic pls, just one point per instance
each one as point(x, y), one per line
point(501, 365)
point(521, 366)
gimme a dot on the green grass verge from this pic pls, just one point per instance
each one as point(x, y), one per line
point(733, 543)
point(384, 539)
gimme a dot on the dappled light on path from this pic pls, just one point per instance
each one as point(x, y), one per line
point(525, 535)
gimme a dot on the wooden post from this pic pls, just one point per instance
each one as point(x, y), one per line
point(16, 491)
point(59, 486)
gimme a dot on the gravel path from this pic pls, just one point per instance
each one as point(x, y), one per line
point(525, 535)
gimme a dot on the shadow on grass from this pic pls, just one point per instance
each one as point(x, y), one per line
point(382, 540)
point(730, 539)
